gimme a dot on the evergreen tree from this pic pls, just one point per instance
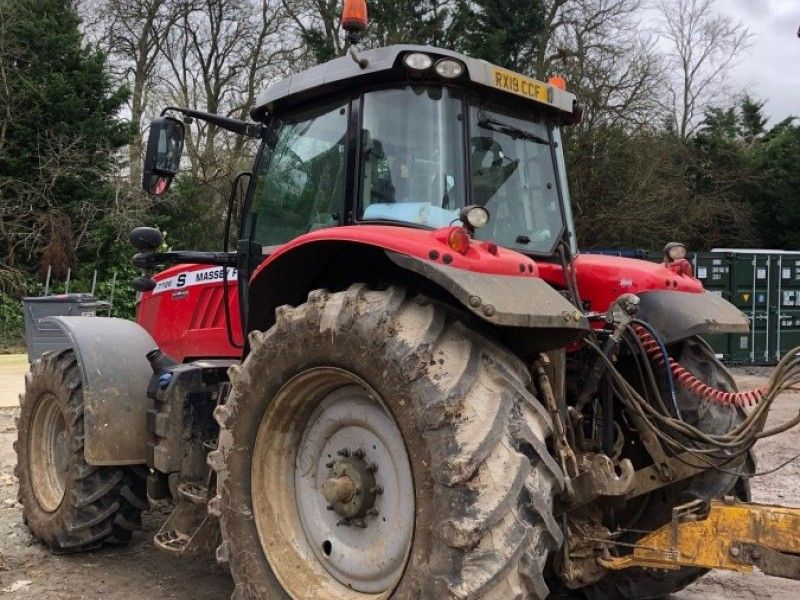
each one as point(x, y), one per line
point(61, 132)
point(318, 47)
point(753, 120)
point(504, 32)
point(774, 196)
point(408, 22)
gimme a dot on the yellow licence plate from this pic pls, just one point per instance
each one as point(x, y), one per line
point(519, 84)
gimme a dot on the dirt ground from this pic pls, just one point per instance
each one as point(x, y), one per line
point(27, 570)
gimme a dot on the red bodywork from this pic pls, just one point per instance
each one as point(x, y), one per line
point(185, 314)
point(601, 279)
point(420, 243)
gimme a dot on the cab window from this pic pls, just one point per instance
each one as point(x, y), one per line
point(412, 163)
point(513, 176)
point(300, 178)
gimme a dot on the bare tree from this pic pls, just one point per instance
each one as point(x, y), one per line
point(135, 28)
point(703, 46)
point(217, 58)
point(609, 63)
point(316, 22)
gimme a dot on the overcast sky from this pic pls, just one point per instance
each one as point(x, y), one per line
point(770, 68)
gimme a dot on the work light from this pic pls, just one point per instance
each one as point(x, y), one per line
point(418, 61)
point(474, 217)
point(675, 251)
point(449, 69)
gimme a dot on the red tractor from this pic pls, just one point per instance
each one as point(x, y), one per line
point(405, 382)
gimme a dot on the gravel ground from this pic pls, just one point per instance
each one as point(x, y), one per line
point(27, 570)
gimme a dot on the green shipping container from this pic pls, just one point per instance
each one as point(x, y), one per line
point(787, 334)
point(765, 285)
point(714, 270)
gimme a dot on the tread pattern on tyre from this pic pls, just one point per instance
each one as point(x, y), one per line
point(484, 431)
point(102, 505)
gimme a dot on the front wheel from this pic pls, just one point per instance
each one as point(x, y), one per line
point(373, 447)
point(68, 504)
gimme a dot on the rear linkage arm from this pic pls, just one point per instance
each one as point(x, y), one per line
point(727, 534)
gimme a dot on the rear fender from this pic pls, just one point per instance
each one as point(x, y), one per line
point(115, 373)
point(502, 300)
point(524, 310)
point(679, 315)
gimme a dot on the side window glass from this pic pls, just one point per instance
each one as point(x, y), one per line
point(412, 165)
point(300, 180)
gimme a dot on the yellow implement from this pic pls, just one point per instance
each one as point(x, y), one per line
point(725, 534)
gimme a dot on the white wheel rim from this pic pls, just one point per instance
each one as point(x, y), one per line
point(48, 453)
point(313, 549)
point(346, 419)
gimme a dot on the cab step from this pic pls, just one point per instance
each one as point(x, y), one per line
point(193, 492)
point(189, 531)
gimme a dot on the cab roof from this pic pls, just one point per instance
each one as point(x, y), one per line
point(385, 65)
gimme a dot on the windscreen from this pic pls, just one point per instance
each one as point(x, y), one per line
point(412, 166)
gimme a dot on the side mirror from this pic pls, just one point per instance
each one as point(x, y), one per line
point(163, 158)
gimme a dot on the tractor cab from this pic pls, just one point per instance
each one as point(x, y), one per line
point(412, 138)
point(403, 151)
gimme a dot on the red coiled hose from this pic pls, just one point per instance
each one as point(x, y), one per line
point(691, 383)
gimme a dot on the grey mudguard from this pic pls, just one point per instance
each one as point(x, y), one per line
point(678, 315)
point(115, 372)
point(504, 300)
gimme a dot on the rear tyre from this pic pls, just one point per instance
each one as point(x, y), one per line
point(367, 377)
point(68, 504)
point(696, 356)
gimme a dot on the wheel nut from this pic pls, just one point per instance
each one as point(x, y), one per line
point(344, 452)
point(359, 453)
point(372, 467)
point(377, 490)
point(372, 512)
point(330, 464)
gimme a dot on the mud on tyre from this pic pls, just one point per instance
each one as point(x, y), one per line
point(479, 485)
point(68, 504)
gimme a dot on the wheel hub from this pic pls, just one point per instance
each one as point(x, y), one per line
point(351, 489)
point(333, 494)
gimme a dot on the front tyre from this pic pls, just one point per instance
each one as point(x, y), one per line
point(68, 504)
point(374, 447)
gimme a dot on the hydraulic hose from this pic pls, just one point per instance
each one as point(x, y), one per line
point(681, 437)
point(657, 352)
point(652, 350)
